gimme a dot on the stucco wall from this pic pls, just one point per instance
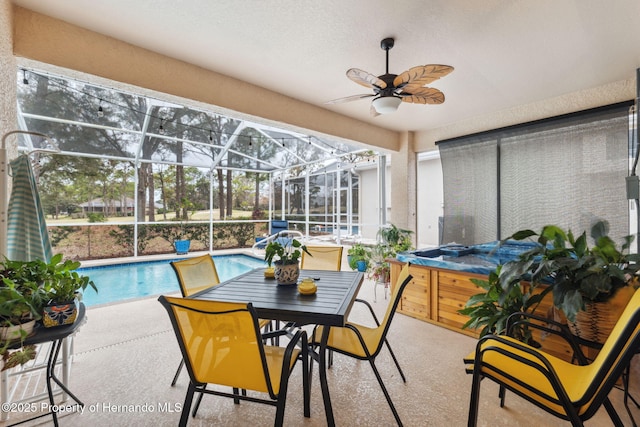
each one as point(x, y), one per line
point(430, 200)
point(7, 106)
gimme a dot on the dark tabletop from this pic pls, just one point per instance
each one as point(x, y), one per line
point(330, 305)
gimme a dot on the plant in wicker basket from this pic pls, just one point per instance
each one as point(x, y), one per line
point(581, 277)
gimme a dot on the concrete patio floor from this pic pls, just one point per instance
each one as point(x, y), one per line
point(126, 355)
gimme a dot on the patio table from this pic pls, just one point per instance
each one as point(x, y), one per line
point(329, 306)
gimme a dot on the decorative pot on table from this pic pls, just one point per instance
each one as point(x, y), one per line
point(286, 274)
point(60, 314)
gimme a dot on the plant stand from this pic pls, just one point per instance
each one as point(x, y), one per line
point(385, 287)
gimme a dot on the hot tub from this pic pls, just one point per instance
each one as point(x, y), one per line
point(479, 259)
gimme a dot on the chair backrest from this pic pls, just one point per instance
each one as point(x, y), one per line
point(322, 258)
point(616, 353)
point(403, 280)
point(220, 342)
point(195, 274)
point(278, 225)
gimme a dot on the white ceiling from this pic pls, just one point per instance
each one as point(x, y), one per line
point(505, 53)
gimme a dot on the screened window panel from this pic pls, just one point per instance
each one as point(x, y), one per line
point(569, 176)
point(470, 196)
point(568, 171)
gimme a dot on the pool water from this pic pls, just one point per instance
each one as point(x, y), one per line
point(121, 282)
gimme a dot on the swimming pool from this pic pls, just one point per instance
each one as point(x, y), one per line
point(121, 282)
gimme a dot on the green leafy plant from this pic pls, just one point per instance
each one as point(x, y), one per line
point(396, 239)
point(577, 273)
point(284, 250)
point(489, 310)
point(357, 252)
point(40, 282)
point(19, 303)
point(63, 282)
point(390, 240)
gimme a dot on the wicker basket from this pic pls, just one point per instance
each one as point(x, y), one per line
point(596, 322)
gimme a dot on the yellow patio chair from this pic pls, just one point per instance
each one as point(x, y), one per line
point(365, 343)
point(572, 392)
point(322, 258)
point(221, 344)
point(194, 275)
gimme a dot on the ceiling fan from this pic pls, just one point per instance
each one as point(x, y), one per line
point(389, 90)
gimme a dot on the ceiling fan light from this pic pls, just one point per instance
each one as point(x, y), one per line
point(386, 104)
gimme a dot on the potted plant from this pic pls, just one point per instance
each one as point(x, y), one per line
point(601, 277)
point(42, 288)
point(358, 256)
point(285, 253)
point(390, 240)
point(62, 288)
point(395, 239)
point(20, 307)
point(490, 309)
point(181, 239)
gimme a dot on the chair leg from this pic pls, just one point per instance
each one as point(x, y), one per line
point(175, 377)
point(615, 418)
point(472, 421)
point(386, 393)
point(501, 394)
point(393, 356)
point(306, 383)
point(184, 416)
point(197, 405)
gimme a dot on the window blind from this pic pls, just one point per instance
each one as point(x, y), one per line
point(568, 171)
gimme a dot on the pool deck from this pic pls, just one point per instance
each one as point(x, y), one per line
point(126, 355)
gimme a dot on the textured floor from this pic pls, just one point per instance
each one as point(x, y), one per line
point(126, 355)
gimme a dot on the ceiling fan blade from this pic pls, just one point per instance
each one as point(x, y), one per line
point(421, 75)
point(423, 95)
point(365, 79)
point(349, 98)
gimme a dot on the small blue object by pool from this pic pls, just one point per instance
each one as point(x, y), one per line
point(121, 282)
point(480, 259)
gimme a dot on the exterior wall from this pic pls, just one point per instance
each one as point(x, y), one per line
point(368, 202)
point(8, 114)
point(402, 199)
point(430, 199)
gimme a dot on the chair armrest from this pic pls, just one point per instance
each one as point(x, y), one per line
point(553, 327)
point(505, 347)
point(375, 318)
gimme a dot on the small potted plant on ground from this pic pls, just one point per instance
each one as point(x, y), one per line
point(285, 253)
point(358, 256)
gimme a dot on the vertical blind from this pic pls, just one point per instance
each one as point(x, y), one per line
point(568, 171)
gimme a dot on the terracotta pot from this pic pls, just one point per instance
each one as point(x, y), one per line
point(287, 274)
